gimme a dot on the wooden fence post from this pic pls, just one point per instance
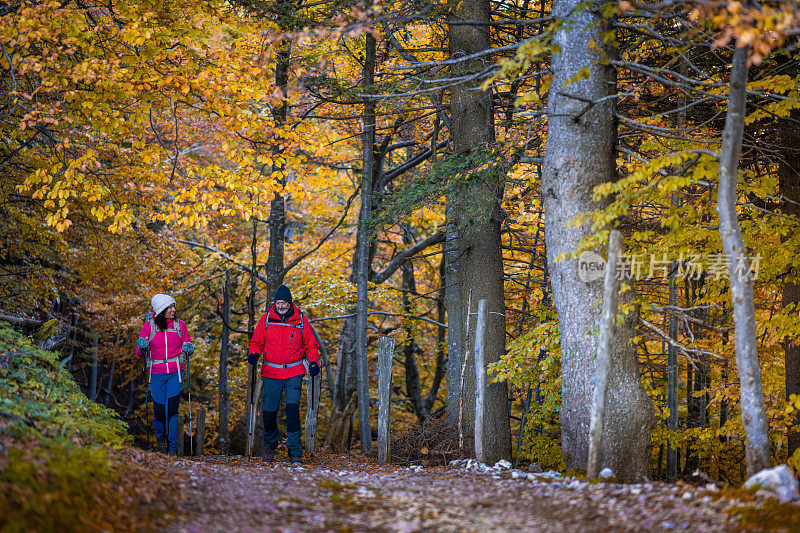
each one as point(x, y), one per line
point(312, 393)
point(93, 372)
point(603, 363)
point(201, 431)
point(385, 353)
point(480, 382)
point(181, 423)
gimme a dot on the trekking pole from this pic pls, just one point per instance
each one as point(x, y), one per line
point(146, 405)
point(144, 347)
point(252, 411)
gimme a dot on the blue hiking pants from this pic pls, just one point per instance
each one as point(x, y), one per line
point(271, 400)
point(165, 390)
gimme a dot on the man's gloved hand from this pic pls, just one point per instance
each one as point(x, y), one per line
point(187, 348)
point(313, 368)
point(143, 343)
point(252, 358)
point(148, 316)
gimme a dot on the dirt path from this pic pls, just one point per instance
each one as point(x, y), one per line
point(336, 493)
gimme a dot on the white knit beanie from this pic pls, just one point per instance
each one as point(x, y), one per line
point(161, 302)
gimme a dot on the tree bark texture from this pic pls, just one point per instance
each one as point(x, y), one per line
point(580, 154)
point(754, 416)
point(789, 186)
point(478, 219)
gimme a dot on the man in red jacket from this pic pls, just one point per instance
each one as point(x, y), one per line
point(285, 344)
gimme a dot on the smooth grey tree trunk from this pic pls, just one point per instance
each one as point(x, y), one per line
point(362, 279)
point(580, 154)
point(222, 380)
point(478, 218)
point(754, 416)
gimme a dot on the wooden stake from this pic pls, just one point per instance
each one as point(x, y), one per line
point(603, 363)
point(201, 431)
point(181, 424)
point(310, 434)
point(480, 379)
point(385, 353)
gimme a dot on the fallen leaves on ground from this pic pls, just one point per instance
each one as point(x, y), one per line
point(353, 493)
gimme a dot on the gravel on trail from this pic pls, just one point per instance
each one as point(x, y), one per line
point(352, 493)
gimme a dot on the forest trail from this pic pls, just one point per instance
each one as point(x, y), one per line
point(341, 493)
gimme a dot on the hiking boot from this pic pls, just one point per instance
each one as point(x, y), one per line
point(268, 456)
point(161, 446)
point(295, 460)
point(172, 452)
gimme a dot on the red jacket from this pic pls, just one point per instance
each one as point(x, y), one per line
point(284, 343)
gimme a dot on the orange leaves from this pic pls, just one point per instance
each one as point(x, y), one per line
point(761, 27)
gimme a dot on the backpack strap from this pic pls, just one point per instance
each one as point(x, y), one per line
point(302, 340)
point(176, 328)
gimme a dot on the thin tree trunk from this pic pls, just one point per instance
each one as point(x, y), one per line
point(251, 326)
point(672, 379)
point(224, 392)
point(362, 280)
point(412, 379)
point(754, 416)
point(455, 328)
point(441, 339)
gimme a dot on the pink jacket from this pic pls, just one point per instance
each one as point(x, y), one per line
point(165, 346)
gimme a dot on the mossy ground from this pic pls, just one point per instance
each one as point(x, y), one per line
point(64, 460)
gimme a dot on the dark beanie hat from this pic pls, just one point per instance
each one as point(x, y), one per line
point(283, 293)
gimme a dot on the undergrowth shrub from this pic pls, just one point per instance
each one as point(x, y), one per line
point(61, 455)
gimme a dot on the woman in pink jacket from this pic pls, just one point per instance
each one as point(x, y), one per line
point(164, 340)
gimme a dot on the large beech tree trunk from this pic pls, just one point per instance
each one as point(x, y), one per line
point(789, 186)
point(580, 154)
point(478, 217)
point(754, 415)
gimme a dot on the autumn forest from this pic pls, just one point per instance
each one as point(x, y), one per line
point(400, 165)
